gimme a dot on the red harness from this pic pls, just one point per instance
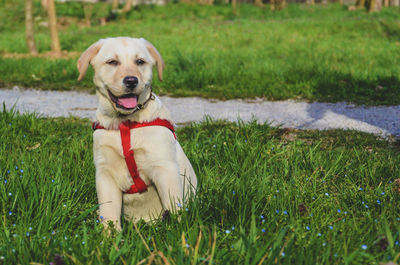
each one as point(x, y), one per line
point(125, 131)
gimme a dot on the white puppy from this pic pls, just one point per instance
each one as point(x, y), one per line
point(123, 74)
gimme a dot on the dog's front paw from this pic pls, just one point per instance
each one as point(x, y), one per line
point(110, 224)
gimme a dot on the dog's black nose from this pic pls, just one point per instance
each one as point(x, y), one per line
point(130, 81)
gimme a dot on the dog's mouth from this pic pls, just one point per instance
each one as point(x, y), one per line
point(126, 102)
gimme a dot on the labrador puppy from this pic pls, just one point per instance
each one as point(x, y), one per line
point(123, 75)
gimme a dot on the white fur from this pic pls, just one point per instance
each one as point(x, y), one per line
point(161, 162)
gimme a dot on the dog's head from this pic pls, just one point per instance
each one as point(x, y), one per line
point(122, 70)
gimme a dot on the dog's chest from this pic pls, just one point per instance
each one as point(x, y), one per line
point(150, 145)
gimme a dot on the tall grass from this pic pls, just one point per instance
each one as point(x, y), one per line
point(322, 53)
point(266, 195)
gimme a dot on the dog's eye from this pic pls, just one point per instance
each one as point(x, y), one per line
point(140, 62)
point(112, 62)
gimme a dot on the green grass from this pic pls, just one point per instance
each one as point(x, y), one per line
point(265, 194)
point(320, 53)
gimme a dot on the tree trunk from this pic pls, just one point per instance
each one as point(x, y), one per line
point(394, 2)
point(55, 42)
point(30, 40)
point(360, 3)
point(374, 5)
point(128, 6)
point(259, 3)
point(234, 10)
point(282, 4)
point(386, 3)
point(371, 6)
point(114, 5)
point(278, 4)
point(88, 11)
point(44, 4)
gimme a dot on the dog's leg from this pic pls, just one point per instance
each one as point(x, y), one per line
point(169, 185)
point(110, 200)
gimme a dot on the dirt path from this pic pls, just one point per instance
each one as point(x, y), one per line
point(383, 120)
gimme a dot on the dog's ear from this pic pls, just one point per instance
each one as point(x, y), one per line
point(85, 58)
point(156, 56)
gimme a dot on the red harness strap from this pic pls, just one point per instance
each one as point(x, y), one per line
point(125, 132)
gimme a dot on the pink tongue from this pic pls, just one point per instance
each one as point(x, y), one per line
point(128, 103)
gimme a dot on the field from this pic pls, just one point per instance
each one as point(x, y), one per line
point(266, 195)
point(319, 53)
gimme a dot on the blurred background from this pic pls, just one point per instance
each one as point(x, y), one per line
point(311, 50)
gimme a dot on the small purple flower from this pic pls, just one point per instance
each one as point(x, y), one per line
point(285, 212)
point(330, 227)
point(277, 211)
point(283, 254)
point(378, 201)
point(319, 234)
point(382, 193)
point(179, 205)
point(360, 188)
point(9, 213)
point(262, 216)
point(227, 231)
point(27, 234)
point(233, 192)
point(339, 211)
point(22, 171)
point(307, 227)
point(326, 194)
point(263, 230)
point(364, 247)
point(16, 167)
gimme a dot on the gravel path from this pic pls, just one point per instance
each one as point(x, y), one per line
point(382, 121)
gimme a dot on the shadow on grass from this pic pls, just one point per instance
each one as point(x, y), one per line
point(336, 87)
